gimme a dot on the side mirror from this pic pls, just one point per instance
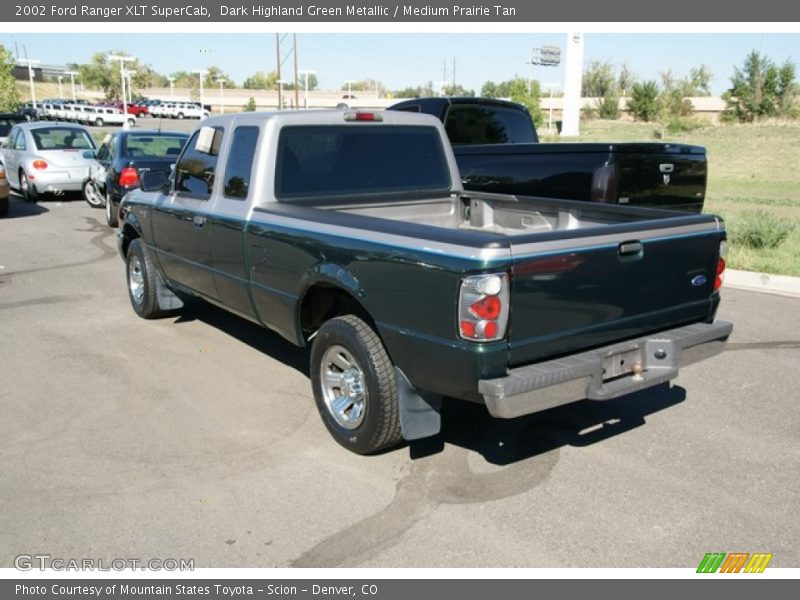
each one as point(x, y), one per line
point(89, 154)
point(154, 181)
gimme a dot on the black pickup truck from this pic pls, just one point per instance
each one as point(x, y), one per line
point(497, 150)
point(350, 233)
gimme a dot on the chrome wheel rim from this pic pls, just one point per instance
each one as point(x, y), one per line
point(343, 387)
point(136, 279)
point(108, 209)
point(92, 195)
point(24, 184)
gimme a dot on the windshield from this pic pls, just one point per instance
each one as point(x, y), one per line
point(342, 160)
point(154, 146)
point(61, 138)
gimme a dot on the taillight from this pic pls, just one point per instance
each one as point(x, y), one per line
point(363, 116)
point(40, 164)
point(720, 278)
point(128, 177)
point(483, 307)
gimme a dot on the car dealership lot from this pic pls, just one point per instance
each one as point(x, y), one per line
point(196, 436)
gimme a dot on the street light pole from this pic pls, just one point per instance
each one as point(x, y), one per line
point(221, 82)
point(31, 62)
point(72, 81)
point(201, 73)
point(306, 73)
point(280, 83)
point(122, 60)
point(60, 89)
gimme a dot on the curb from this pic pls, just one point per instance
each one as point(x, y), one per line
point(763, 282)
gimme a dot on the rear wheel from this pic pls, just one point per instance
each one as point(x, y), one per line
point(28, 189)
point(180, 115)
point(354, 386)
point(142, 281)
point(98, 121)
point(111, 213)
point(92, 195)
point(131, 122)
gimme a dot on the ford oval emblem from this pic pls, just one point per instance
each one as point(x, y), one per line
point(698, 281)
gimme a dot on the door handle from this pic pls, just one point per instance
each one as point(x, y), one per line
point(633, 249)
point(198, 220)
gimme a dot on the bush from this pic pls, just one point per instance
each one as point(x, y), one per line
point(685, 124)
point(608, 105)
point(759, 229)
point(644, 103)
point(251, 105)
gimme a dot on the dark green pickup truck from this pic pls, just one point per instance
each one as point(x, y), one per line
point(350, 232)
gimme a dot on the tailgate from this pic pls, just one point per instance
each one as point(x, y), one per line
point(573, 294)
point(662, 175)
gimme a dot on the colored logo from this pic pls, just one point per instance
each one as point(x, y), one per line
point(698, 281)
point(735, 562)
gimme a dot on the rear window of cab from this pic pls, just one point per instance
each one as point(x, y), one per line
point(61, 138)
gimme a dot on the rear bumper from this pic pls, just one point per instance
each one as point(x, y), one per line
point(544, 385)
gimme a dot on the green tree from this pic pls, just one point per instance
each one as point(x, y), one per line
point(625, 80)
point(213, 73)
point(608, 105)
point(9, 96)
point(645, 102)
point(261, 81)
point(598, 78)
point(104, 74)
point(700, 81)
point(250, 106)
point(365, 85)
point(408, 92)
point(458, 90)
point(760, 89)
point(518, 90)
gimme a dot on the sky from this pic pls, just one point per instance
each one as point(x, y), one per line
point(400, 60)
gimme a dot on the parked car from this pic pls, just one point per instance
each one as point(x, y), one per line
point(106, 115)
point(351, 233)
point(5, 189)
point(122, 158)
point(7, 121)
point(47, 158)
point(28, 111)
point(188, 110)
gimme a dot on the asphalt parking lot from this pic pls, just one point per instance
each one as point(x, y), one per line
point(196, 436)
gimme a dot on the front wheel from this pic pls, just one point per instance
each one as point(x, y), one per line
point(142, 281)
point(354, 386)
point(131, 123)
point(98, 122)
point(92, 195)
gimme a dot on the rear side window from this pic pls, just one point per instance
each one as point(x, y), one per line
point(197, 167)
point(488, 125)
point(344, 160)
point(240, 162)
point(61, 138)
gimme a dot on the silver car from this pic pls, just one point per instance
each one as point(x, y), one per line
point(47, 158)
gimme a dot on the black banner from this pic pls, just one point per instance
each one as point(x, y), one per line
point(339, 11)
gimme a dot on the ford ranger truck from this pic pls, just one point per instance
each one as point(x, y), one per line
point(350, 233)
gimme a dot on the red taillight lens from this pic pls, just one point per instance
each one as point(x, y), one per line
point(486, 308)
point(40, 164)
point(483, 307)
point(720, 274)
point(128, 177)
point(363, 116)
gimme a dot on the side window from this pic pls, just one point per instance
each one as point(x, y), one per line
point(240, 162)
point(112, 149)
point(19, 141)
point(196, 169)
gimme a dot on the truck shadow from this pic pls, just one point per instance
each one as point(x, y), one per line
point(580, 424)
point(18, 208)
point(468, 425)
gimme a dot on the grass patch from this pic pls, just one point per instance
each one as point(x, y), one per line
point(751, 168)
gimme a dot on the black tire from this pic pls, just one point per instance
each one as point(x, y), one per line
point(28, 189)
point(98, 122)
point(131, 123)
point(180, 115)
point(92, 195)
point(112, 215)
point(3, 207)
point(141, 278)
point(373, 423)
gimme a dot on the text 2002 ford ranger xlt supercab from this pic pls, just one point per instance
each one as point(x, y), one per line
point(349, 232)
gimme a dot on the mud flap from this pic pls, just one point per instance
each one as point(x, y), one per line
point(166, 298)
point(420, 412)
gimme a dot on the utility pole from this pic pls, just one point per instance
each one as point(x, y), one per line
point(454, 71)
point(31, 62)
point(122, 60)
